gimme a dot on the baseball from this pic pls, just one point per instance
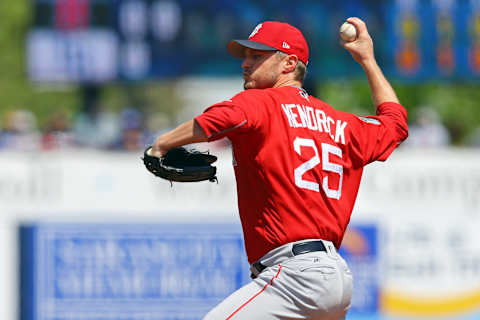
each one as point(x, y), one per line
point(348, 32)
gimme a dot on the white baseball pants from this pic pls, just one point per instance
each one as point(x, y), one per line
point(315, 285)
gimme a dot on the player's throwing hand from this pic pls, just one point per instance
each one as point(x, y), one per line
point(361, 48)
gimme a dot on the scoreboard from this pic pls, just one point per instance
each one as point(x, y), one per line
point(98, 41)
point(104, 40)
point(72, 41)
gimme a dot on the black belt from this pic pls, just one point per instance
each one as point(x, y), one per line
point(297, 248)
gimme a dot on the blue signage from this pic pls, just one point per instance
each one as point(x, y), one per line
point(97, 272)
point(157, 272)
point(359, 248)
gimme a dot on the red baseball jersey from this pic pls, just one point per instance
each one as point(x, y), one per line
point(298, 162)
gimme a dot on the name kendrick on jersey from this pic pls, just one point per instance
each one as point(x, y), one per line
point(300, 116)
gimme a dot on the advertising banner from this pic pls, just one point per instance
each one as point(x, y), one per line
point(436, 39)
point(159, 271)
point(97, 272)
point(360, 250)
point(431, 268)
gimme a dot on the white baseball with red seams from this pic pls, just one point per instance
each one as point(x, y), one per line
point(348, 32)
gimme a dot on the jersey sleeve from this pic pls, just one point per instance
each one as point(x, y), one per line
point(229, 117)
point(375, 137)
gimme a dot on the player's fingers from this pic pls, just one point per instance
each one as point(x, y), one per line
point(359, 25)
point(346, 45)
point(155, 152)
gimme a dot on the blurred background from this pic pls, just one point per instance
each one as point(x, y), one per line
point(87, 233)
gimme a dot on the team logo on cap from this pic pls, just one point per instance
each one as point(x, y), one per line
point(285, 45)
point(254, 32)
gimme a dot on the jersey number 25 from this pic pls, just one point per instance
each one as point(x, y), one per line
point(327, 149)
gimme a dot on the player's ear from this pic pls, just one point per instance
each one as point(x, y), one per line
point(290, 63)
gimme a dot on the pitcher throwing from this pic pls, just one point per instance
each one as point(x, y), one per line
point(298, 164)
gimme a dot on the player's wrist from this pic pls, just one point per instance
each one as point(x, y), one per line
point(368, 63)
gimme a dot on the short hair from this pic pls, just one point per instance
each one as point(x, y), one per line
point(300, 69)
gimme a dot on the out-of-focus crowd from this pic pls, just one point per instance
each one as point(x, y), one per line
point(125, 130)
point(131, 130)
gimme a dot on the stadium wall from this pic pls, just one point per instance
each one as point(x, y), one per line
point(413, 244)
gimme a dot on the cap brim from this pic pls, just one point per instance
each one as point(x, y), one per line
point(237, 47)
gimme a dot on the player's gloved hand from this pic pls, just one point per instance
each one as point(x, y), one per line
point(181, 165)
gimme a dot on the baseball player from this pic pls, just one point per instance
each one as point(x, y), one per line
point(298, 164)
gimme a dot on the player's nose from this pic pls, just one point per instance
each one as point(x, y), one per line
point(246, 63)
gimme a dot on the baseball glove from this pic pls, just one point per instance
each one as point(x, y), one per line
point(182, 165)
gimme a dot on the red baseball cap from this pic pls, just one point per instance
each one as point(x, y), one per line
point(272, 35)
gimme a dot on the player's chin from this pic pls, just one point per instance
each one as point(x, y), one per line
point(249, 84)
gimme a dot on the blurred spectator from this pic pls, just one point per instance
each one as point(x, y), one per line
point(132, 134)
point(58, 134)
point(19, 131)
point(427, 131)
point(474, 138)
point(156, 124)
point(96, 130)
